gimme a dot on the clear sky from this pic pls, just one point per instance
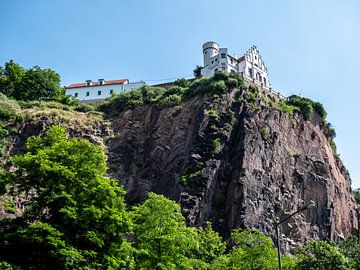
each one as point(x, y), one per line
point(312, 47)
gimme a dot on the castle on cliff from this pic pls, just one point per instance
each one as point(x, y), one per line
point(250, 66)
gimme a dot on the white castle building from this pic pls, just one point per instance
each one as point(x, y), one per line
point(90, 91)
point(250, 66)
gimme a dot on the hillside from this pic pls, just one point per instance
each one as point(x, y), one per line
point(226, 151)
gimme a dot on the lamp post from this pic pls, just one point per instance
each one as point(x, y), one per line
point(309, 205)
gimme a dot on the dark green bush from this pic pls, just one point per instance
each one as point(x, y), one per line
point(304, 105)
point(84, 107)
point(181, 82)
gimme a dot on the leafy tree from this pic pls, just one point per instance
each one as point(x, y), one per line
point(10, 77)
point(76, 216)
point(161, 237)
point(39, 84)
point(32, 84)
point(351, 249)
point(356, 193)
point(251, 250)
point(321, 255)
point(197, 72)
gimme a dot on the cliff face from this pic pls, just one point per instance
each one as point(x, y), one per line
point(227, 161)
point(235, 165)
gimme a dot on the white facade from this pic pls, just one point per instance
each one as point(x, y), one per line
point(250, 66)
point(98, 91)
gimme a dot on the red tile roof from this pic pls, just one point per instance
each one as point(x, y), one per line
point(77, 85)
point(241, 58)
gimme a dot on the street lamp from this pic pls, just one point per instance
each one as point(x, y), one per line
point(309, 205)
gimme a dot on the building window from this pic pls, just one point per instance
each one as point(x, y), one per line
point(216, 70)
point(212, 62)
point(250, 72)
point(255, 57)
point(76, 94)
point(223, 68)
point(216, 60)
point(231, 61)
point(111, 91)
point(87, 94)
point(99, 93)
point(223, 55)
point(265, 81)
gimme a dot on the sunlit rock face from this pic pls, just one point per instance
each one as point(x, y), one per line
point(229, 162)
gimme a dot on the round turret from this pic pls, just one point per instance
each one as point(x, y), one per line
point(210, 49)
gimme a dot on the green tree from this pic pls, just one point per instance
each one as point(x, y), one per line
point(32, 84)
point(10, 77)
point(76, 216)
point(321, 255)
point(39, 84)
point(351, 249)
point(197, 72)
point(161, 237)
point(251, 251)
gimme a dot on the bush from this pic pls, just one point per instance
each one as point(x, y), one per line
point(84, 107)
point(321, 255)
point(216, 145)
point(304, 105)
point(218, 87)
point(181, 83)
point(264, 132)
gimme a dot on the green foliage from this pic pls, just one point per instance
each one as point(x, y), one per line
point(181, 82)
point(197, 72)
point(77, 218)
point(350, 248)
point(286, 108)
point(251, 251)
point(306, 106)
point(356, 193)
point(162, 239)
point(187, 178)
point(321, 255)
point(31, 84)
point(213, 113)
point(265, 133)
point(216, 145)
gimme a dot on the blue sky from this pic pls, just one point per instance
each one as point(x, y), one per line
point(312, 47)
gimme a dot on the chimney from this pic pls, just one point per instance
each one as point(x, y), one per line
point(88, 82)
point(101, 81)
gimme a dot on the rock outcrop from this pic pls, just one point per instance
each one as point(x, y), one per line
point(236, 165)
point(230, 162)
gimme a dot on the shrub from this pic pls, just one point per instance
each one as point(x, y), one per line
point(84, 107)
point(170, 100)
point(213, 113)
point(321, 255)
point(217, 87)
point(304, 105)
point(181, 82)
point(216, 145)
point(264, 132)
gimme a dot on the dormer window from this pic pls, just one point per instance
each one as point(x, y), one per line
point(88, 82)
point(101, 81)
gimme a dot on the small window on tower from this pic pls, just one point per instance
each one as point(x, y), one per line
point(223, 55)
point(99, 93)
point(76, 94)
point(87, 94)
point(111, 91)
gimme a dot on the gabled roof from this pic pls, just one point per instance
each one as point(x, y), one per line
point(79, 85)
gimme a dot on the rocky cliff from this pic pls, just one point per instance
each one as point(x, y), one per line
point(235, 164)
point(230, 161)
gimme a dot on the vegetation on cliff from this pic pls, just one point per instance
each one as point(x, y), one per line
point(75, 218)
